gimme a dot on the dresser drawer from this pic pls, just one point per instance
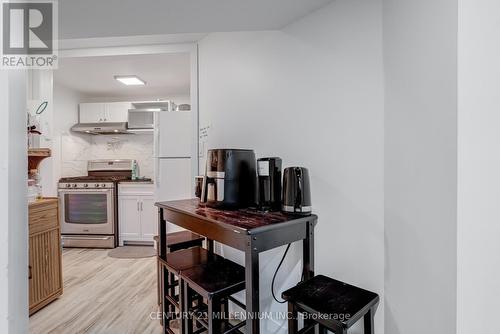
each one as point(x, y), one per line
point(43, 216)
point(132, 188)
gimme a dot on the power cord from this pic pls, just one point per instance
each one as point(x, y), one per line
point(276, 272)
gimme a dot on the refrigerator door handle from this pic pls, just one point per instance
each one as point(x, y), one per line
point(156, 137)
point(157, 173)
point(156, 148)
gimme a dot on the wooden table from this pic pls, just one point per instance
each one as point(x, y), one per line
point(250, 231)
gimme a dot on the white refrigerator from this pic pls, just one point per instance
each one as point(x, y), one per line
point(173, 156)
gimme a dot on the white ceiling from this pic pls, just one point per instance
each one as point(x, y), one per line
point(106, 18)
point(165, 75)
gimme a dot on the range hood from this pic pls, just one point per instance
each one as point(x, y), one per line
point(140, 119)
point(100, 128)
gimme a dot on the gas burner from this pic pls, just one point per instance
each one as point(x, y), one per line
point(90, 178)
point(91, 182)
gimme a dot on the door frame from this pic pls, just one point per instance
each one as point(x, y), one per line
point(163, 44)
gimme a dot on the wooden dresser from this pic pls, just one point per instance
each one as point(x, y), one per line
point(45, 267)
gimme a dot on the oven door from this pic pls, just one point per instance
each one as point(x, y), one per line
point(89, 211)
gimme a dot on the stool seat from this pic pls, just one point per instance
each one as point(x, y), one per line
point(214, 282)
point(218, 277)
point(344, 303)
point(182, 240)
point(188, 258)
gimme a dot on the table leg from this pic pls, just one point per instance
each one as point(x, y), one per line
point(308, 252)
point(252, 288)
point(162, 235)
point(166, 304)
point(171, 292)
point(368, 322)
point(210, 245)
point(323, 329)
point(308, 258)
point(293, 326)
point(188, 322)
point(162, 253)
point(214, 320)
point(182, 306)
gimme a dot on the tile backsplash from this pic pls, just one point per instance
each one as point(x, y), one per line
point(77, 150)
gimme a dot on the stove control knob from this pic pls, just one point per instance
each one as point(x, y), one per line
point(68, 185)
point(85, 185)
point(96, 185)
point(103, 185)
point(75, 185)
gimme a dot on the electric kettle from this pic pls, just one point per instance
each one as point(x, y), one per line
point(296, 197)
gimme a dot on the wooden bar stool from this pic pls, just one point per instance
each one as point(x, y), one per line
point(330, 304)
point(175, 241)
point(183, 240)
point(215, 282)
point(175, 263)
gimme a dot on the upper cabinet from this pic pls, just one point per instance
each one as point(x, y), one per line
point(92, 112)
point(104, 112)
point(117, 111)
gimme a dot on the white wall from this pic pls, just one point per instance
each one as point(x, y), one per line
point(13, 204)
point(4, 195)
point(67, 146)
point(313, 95)
point(138, 147)
point(478, 167)
point(420, 49)
point(39, 90)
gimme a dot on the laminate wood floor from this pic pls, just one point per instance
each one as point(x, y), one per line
point(101, 295)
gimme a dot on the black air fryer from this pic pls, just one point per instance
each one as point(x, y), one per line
point(296, 191)
point(230, 179)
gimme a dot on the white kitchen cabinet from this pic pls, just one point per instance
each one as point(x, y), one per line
point(104, 112)
point(129, 218)
point(149, 220)
point(137, 215)
point(117, 111)
point(92, 112)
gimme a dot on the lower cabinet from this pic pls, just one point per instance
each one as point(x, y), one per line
point(137, 215)
point(45, 263)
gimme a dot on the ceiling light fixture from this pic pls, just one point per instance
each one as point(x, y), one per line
point(130, 80)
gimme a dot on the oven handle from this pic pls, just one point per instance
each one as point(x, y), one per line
point(85, 191)
point(86, 238)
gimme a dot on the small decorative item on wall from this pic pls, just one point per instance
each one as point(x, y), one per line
point(33, 126)
point(115, 143)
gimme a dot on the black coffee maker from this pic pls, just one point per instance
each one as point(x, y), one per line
point(269, 172)
point(296, 191)
point(230, 179)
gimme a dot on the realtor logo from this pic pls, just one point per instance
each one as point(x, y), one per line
point(29, 34)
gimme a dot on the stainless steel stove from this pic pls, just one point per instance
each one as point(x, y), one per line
point(88, 204)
